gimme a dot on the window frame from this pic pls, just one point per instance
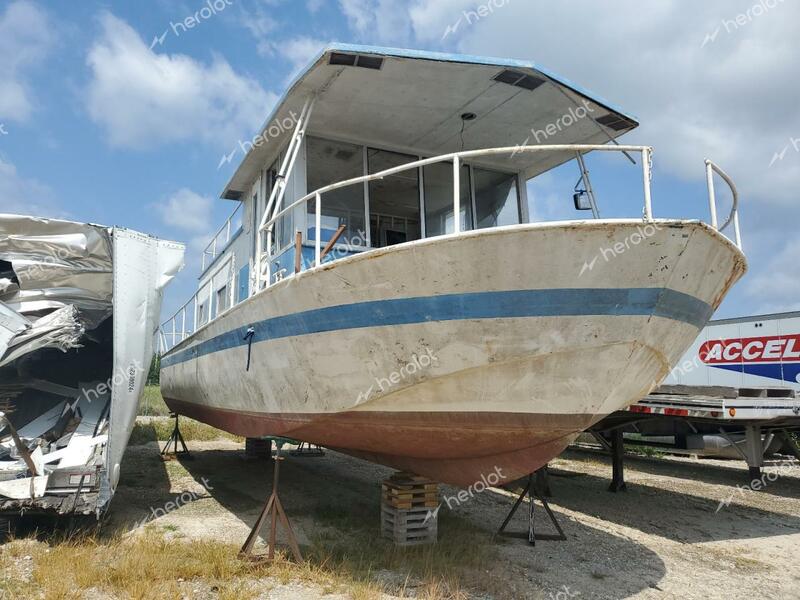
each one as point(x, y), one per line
point(365, 147)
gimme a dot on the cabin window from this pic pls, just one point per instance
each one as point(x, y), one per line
point(438, 183)
point(329, 162)
point(202, 314)
point(222, 300)
point(496, 199)
point(284, 226)
point(243, 290)
point(394, 213)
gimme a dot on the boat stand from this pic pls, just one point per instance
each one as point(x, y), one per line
point(309, 450)
point(273, 509)
point(533, 489)
point(174, 439)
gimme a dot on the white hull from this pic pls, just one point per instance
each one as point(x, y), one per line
point(454, 354)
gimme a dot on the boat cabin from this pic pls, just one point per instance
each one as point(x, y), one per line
point(397, 125)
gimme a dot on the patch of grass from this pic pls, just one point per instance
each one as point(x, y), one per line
point(146, 566)
point(152, 404)
point(160, 429)
point(649, 451)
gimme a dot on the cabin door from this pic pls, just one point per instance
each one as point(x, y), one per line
point(394, 201)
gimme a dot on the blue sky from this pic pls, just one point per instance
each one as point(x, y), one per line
point(99, 126)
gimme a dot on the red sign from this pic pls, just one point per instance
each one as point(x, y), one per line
point(761, 349)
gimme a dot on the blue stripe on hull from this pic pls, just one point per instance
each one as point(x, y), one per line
point(660, 302)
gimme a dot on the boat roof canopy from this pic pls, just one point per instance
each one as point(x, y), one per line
point(431, 103)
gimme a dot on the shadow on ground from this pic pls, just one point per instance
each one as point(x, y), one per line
point(334, 505)
point(677, 516)
point(709, 471)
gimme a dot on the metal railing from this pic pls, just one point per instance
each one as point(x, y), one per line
point(176, 335)
point(457, 159)
point(712, 168)
point(222, 238)
point(187, 318)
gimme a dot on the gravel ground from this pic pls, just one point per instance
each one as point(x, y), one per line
point(662, 538)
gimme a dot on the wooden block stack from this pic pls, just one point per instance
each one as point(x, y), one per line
point(406, 503)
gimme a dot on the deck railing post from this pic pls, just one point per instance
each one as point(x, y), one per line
point(712, 196)
point(587, 183)
point(646, 174)
point(318, 227)
point(736, 230)
point(456, 194)
point(269, 262)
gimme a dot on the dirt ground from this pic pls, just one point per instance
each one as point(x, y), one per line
point(659, 539)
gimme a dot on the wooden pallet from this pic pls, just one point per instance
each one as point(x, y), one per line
point(411, 527)
point(407, 491)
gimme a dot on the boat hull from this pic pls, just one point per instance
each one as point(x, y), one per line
point(457, 356)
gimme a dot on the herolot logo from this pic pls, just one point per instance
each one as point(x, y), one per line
point(776, 357)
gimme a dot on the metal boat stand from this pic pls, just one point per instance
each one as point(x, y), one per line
point(174, 439)
point(307, 450)
point(273, 509)
point(535, 489)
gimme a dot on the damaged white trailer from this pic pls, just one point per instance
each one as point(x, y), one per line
point(79, 305)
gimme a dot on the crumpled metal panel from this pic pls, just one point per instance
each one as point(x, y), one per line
point(56, 263)
point(11, 324)
point(62, 280)
point(60, 329)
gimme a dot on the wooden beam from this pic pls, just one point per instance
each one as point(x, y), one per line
point(333, 241)
point(298, 251)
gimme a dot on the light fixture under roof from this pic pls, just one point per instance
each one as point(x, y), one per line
point(519, 79)
point(468, 116)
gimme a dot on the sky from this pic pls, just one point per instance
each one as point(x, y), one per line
point(114, 112)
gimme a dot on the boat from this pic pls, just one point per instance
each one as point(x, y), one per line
point(343, 304)
point(79, 312)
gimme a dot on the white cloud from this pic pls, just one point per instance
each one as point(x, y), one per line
point(314, 5)
point(26, 35)
point(359, 13)
point(186, 210)
point(19, 195)
point(258, 22)
point(142, 98)
point(381, 20)
point(776, 286)
point(299, 51)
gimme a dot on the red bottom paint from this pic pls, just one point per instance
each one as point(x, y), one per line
point(450, 447)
